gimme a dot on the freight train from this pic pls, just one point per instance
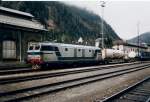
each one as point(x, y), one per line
point(47, 53)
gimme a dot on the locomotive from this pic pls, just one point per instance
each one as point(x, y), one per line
point(40, 54)
point(48, 53)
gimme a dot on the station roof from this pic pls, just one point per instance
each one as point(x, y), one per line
point(19, 21)
point(133, 45)
point(129, 44)
point(15, 11)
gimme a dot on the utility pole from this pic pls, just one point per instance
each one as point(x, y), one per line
point(20, 47)
point(102, 23)
point(138, 41)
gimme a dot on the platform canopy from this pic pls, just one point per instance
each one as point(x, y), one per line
point(18, 18)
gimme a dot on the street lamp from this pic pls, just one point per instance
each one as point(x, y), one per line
point(102, 23)
point(138, 41)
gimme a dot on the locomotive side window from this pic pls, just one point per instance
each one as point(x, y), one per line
point(66, 49)
point(47, 48)
point(97, 51)
point(56, 49)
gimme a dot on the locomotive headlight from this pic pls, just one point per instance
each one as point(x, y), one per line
point(39, 57)
point(29, 57)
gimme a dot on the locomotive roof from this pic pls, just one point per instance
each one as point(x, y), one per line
point(70, 45)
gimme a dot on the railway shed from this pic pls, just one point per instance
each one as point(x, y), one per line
point(17, 30)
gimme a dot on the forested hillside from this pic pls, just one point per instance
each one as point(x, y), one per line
point(66, 23)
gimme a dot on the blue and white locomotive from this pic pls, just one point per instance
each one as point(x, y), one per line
point(46, 53)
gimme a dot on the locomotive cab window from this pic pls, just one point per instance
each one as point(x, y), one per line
point(37, 47)
point(31, 48)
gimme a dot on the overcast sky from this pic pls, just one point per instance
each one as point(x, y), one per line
point(123, 16)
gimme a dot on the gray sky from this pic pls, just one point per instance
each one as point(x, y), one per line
point(123, 16)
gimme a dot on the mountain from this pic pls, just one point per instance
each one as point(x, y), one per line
point(144, 38)
point(66, 23)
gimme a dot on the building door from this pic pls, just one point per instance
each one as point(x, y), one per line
point(9, 49)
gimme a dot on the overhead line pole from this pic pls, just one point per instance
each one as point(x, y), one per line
point(138, 32)
point(102, 23)
point(20, 38)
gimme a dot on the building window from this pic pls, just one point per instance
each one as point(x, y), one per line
point(9, 49)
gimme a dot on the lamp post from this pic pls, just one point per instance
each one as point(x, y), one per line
point(138, 41)
point(102, 23)
point(20, 45)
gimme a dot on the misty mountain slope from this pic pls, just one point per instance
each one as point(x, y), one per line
point(66, 23)
point(144, 38)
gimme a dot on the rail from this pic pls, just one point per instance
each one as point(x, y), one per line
point(20, 94)
point(125, 95)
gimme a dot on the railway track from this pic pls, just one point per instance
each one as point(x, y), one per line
point(29, 93)
point(17, 78)
point(139, 92)
point(15, 70)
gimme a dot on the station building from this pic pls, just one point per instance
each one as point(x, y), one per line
point(127, 47)
point(17, 30)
